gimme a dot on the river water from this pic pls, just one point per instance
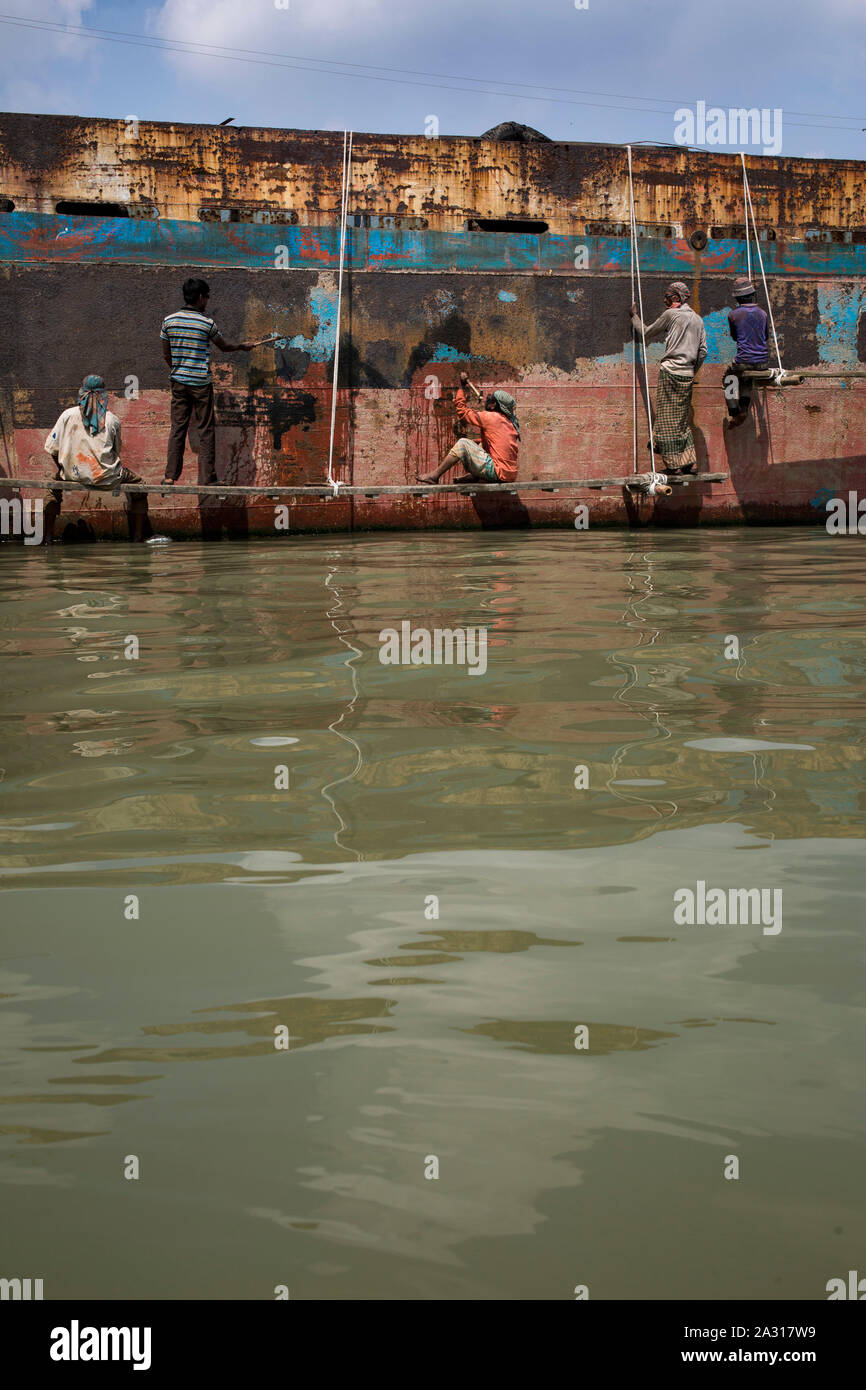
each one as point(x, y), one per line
point(287, 929)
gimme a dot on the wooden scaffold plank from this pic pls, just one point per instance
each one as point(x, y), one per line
point(273, 493)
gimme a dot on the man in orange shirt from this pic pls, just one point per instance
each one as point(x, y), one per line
point(494, 460)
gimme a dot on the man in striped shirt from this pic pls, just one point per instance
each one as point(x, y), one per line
point(186, 337)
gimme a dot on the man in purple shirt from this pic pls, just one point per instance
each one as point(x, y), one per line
point(748, 326)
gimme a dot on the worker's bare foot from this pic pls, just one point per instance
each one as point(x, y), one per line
point(427, 478)
point(168, 482)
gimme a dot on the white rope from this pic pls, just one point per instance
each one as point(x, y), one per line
point(746, 211)
point(344, 210)
point(633, 343)
point(636, 258)
point(761, 263)
point(659, 483)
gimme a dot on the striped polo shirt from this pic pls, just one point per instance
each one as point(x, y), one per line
point(189, 334)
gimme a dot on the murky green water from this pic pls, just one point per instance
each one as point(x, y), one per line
point(410, 1036)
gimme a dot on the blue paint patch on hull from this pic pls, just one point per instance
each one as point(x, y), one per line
point(443, 352)
point(720, 345)
point(839, 310)
point(321, 346)
point(37, 237)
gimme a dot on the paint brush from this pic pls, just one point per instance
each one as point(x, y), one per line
point(272, 340)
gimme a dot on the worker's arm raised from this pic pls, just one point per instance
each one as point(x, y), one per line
point(231, 347)
point(464, 414)
point(651, 330)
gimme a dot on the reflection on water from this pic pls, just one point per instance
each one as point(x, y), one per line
point(257, 828)
point(308, 1020)
point(556, 1036)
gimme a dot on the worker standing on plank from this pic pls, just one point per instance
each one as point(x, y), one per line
point(494, 460)
point(186, 337)
point(685, 351)
point(748, 324)
point(85, 445)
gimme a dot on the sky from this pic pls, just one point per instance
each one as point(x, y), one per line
point(621, 69)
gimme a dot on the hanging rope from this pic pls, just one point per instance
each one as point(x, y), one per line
point(635, 275)
point(746, 210)
point(344, 211)
point(633, 341)
point(750, 210)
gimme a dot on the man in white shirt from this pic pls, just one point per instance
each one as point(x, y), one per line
point(85, 445)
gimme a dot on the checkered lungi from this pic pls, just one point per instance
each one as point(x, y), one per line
point(671, 429)
point(476, 460)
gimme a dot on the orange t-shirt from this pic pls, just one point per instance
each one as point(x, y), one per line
point(498, 436)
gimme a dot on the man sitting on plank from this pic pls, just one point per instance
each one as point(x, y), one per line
point(85, 446)
point(494, 460)
point(685, 350)
point(85, 442)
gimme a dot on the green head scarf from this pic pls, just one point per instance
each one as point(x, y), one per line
point(93, 403)
point(508, 406)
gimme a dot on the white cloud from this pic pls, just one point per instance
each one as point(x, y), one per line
point(233, 25)
point(615, 46)
point(63, 56)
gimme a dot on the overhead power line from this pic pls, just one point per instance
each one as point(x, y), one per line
point(330, 67)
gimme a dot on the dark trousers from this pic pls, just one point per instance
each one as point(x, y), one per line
point(136, 504)
point(192, 403)
point(738, 389)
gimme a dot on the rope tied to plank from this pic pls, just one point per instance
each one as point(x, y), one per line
point(344, 210)
point(654, 484)
point(635, 276)
point(747, 201)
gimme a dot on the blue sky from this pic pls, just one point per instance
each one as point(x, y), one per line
point(627, 65)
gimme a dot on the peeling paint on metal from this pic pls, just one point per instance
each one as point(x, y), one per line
point(839, 310)
point(415, 297)
point(323, 305)
point(720, 344)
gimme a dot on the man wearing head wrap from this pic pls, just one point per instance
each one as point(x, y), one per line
point(85, 446)
point(494, 459)
point(748, 324)
point(685, 351)
point(85, 442)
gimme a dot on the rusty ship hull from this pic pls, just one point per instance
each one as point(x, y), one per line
point(510, 261)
